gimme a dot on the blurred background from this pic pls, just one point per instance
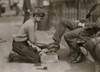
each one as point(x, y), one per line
point(11, 19)
point(55, 10)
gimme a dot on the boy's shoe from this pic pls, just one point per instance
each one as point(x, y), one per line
point(12, 55)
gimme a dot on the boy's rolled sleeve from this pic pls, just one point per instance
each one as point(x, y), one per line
point(31, 34)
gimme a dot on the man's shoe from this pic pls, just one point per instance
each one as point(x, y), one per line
point(79, 59)
point(73, 55)
point(54, 46)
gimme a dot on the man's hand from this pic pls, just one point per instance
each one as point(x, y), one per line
point(81, 24)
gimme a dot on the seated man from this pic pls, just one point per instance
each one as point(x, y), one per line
point(90, 28)
point(62, 26)
point(21, 49)
point(74, 28)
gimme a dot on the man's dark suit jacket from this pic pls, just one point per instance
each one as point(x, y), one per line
point(27, 5)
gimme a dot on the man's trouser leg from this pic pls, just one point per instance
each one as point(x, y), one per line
point(62, 26)
point(26, 52)
point(93, 46)
point(71, 38)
